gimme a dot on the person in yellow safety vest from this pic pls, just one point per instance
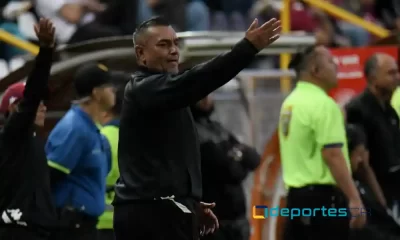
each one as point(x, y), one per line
point(396, 101)
point(110, 130)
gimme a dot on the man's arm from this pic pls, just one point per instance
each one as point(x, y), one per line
point(36, 88)
point(168, 92)
point(331, 136)
point(367, 174)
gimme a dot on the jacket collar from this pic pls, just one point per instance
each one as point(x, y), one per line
point(373, 101)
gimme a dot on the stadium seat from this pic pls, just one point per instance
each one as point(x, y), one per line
point(16, 63)
point(25, 25)
point(3, 68)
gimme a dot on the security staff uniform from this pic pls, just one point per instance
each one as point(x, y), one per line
point(395, 101)
point(310, 121)
point(76, 148)
point(105, 225)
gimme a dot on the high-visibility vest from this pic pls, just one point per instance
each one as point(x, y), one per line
point(111, 132)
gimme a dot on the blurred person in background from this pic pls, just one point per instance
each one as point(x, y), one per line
point(26, 206)
point(308, 19)
point(184, 15)
point(395, 101)
point(9, 11)
point(77, 19)
point(78, 155)
point(110, 130)
point(380, 225)
point(230, 15)
point(225, 163)
point(388, 12)
point(372, 112)
point(362, 8)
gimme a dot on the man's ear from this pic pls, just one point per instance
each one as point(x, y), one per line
point(96, 93)
point(139, 53)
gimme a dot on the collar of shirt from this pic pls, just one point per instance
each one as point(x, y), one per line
point(85, 117)
point(311, 87)
point(374, 102)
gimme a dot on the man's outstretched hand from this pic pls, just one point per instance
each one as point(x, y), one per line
point(208, 221)
point(45, 32)
point(262, 36)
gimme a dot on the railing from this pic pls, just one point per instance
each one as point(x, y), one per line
point(335, 11)
point(19, 43)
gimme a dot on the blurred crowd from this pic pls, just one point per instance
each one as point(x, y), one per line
point(90, 19)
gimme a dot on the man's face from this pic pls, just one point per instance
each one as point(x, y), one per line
point(158, 49)
point(326, 69)
point(387, 75)
point(41, 115)
point(105, 96)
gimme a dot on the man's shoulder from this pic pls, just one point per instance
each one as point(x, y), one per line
point(69, 124)
point(358, 103)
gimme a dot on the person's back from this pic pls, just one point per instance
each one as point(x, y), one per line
point(32, 199)
point(299, 105)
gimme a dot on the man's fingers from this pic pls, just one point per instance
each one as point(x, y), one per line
point(268, 26)
point(253, 25)
point(274, 38)
point(207, 205)
point(36, 28)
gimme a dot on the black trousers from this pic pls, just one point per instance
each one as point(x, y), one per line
point(20, 233)
point(105, 234)
point(317, 226)
point(75, 225)
point(155, 220)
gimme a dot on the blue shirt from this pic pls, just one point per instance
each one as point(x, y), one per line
point(76, 147)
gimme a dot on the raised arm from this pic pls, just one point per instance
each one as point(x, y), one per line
point(36, 88)
point(168, 91)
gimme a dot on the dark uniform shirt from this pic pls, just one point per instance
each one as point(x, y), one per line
point(24, 175)
point(381, 125)
point(158, 147)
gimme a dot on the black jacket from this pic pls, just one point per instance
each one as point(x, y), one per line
point(381, 126)
point(225, 164)
point(158, 152)
point(24, 175)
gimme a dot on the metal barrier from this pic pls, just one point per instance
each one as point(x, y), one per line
point(332, 9)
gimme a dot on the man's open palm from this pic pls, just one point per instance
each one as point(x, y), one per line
point(45, 32)
point(262, 36)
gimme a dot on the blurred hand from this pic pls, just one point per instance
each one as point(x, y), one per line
point(152, 3)
point(359, 220)
point(45, 32)
point(95, 6)
point(208, 221)
point(14, 9)
point(261, 37)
